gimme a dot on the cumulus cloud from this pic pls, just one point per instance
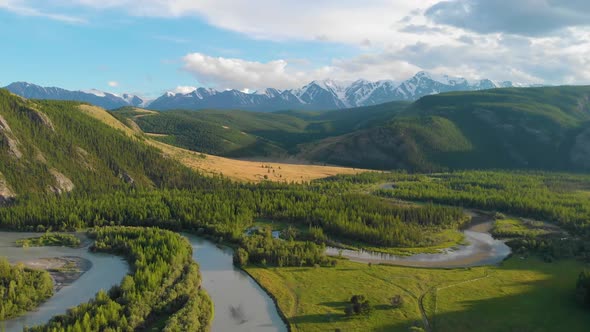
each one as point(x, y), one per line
point(524, 17)
point(233, 73)
point(113, 84)
point(237, 73)
point(541, 41)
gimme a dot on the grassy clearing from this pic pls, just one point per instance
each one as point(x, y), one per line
point(521, 228)
point(50, 240)
point(251, 171)
point(520, 295)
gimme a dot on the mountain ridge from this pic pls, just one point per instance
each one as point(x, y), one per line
point(96, 97)
point(318, 95)
point(325, 94)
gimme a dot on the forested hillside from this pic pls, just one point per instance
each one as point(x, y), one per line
point(53, 147)
point(513, 128)
point(251, 134)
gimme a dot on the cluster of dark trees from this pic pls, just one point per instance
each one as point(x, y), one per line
point(165, 282)
point(359, 305)
point(266, 250)
point(22, 289)
point(552, 247)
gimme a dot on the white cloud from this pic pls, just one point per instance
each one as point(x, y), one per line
point(113, 84)
point(19, 7)
point(354, 22)
point(233, 73)
point(396, 37)
point(239, 74)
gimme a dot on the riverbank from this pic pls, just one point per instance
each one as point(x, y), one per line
point(63, 270)
point(480, 249)
point(78, 273)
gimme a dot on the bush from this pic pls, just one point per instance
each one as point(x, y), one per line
point(359, 306)
point(397, 301)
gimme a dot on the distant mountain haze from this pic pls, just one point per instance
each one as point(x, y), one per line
point(94, 97)
point(317, 95)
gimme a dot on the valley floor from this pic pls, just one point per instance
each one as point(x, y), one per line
point(241, 170)
point(252, 171)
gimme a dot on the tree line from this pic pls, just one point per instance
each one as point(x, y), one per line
point(229, 211)
point(22, 289)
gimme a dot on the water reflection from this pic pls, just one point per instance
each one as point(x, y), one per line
point(240, 304)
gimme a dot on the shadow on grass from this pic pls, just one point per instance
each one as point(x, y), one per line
point(318, 319)
point(543, 305)
point(335, 305)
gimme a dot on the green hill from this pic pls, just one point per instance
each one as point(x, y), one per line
point(515, 128)
point(51, 146)
point(527, 128)
point(253, 134)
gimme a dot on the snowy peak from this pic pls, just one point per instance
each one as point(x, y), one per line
point(326, 94)
point(317, 95)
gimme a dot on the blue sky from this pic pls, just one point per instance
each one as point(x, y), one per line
point(148, 47)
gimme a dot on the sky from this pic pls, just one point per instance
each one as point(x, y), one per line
point(148, 47)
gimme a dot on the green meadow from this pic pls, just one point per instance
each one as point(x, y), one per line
point(523, 294)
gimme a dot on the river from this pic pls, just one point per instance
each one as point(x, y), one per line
point(106, 271)
point(241, 305)
point(481, 249)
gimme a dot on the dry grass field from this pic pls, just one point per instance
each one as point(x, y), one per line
point(253, 171)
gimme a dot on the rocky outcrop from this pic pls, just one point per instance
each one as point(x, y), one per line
point(11, 141)
point(40, 118)
point(6, 194)
point(62, 183)
point(127, 178)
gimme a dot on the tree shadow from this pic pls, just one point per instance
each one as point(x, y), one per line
point(317, 319)
point(335, 305)
point(541, 305)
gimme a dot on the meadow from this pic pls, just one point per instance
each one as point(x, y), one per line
point(522, 294)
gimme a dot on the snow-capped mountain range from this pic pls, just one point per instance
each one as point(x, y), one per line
point(95, 97)
point(317, 95)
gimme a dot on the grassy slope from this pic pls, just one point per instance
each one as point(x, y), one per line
point(236, 169)
point(517, 296)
